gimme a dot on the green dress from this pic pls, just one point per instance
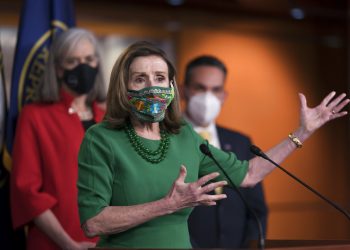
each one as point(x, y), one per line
point(111, 173)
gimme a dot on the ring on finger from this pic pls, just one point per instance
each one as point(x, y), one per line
point(333, 112)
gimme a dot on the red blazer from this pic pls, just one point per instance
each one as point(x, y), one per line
point(45, 168)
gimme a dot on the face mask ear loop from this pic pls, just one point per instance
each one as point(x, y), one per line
point(171, 83)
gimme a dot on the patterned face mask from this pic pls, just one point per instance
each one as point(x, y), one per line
point(149, 104)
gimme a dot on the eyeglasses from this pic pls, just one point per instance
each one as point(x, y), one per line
point(72, 62)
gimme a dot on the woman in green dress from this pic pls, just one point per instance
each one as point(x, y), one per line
point(141, 170)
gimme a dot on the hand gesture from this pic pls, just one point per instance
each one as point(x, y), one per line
point(329, 109)
point(193, 194)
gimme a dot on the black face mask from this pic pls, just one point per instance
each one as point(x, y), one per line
point(81, 79)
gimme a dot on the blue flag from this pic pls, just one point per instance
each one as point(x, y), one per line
point(40, 21)
point(9, 239)
point(3, 114)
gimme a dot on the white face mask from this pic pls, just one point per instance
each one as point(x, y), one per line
point(203, 108)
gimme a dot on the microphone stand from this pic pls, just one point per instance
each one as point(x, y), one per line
point(206, 151)
point(257, 151)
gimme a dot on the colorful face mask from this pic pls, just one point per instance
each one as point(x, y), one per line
point(149, 104)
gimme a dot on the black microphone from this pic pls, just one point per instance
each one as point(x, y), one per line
point(205, 150)
point(257, 151)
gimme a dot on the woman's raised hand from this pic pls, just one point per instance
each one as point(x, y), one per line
point(193, 194)
point(330, 108)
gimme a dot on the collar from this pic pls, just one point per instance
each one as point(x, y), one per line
point(66, 99)
point(211, 128)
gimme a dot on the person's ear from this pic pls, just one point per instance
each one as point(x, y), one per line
point(224, 97)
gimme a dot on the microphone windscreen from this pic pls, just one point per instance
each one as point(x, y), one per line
point(255, 150)
point(204, 149)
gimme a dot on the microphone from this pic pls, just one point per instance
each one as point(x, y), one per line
point(206, 151)
point(257, 151)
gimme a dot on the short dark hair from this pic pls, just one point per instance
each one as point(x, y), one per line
point(205, 60)
point(118, 108)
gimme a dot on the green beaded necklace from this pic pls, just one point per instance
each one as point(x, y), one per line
point(155, 156)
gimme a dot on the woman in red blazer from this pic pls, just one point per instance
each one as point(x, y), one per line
point(48, 137)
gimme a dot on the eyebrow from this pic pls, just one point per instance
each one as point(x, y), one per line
point(143, 73)
point(137, 73)
point(198, 84)
point(84, 56)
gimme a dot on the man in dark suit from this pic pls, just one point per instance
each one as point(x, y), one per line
point(228, 224)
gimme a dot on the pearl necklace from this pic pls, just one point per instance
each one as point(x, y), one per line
point(83, 115)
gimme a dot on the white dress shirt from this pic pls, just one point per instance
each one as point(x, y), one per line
point(211, 129)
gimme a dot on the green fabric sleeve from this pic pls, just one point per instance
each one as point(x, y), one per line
point(95, 176)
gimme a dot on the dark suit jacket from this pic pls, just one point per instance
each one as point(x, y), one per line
point(229, 224)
